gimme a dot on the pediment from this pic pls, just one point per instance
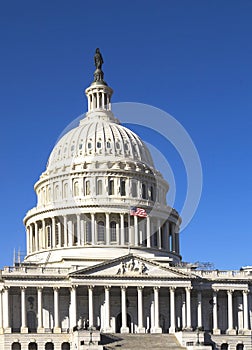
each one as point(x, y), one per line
point(131, 266)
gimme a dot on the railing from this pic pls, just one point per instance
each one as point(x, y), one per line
point(35, 270)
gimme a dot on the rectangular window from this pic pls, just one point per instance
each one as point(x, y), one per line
point(123, 191)
point(111, 187)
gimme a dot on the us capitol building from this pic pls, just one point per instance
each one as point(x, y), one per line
point(103, 252)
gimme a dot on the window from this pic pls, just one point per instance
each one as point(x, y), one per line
point(123, 191)
point(134, 189)
point(143, 191)
point(87, 188)
point(108, 144)
point(65, 191)
point(113, 231)
point(99, 187)
point(100, 231)
point(56, 192)
point(98, 144)
point(76, 188)
point(88, 232)
point(89, 145)
point(126, 232)
point(48, 232)
point(151, 194)
point(111, 187)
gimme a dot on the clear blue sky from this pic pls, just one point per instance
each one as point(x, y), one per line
point(189, 58)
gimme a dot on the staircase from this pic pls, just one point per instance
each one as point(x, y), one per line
point(140, 341)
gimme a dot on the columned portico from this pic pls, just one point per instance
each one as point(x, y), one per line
point(124, 328)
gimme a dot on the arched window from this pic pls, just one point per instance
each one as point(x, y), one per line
point(16, 346)
point(56, 192)
point(65, 346)
point(87, 188)
point(76, 190)
point(111, 187)
point(113, 231)
point(239, 347)
point(65, 191)
point(143, 191)
point(49, 346)
point(100, 231)
point(224, 346)
point(99, 187)
point(32, 346)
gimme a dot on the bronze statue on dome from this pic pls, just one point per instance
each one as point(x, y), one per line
point(98, 74)
point(98, 59)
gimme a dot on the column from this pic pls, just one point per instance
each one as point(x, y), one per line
point(40, 311)
point(215, 313)
point(173, 237)
point(183, 310)
point(27, 239)
point(24, 328)
point(107, 229)
point(70, 232)
point(199, 310)
point(53, 232)
point(78, 230)
point(93, 231)
point(156, 329)
point(72, 310)
point(136, 230)
point(36, 237)
point(82, 239)
point(124, 328)
point(230, 329)
point(56, 328)
point(30, 239)
point(90, 306)
point(1, 312)
point(140, 328)
point(148, 231)
point(43, 234)
point(65, 230)
point(59, 233)
point(6, 312)
point(168, 236)
point(159, 239)
point(122, 229)
point(188, 308)
point(107, 328)
point(172, 310)
point(245, 310)
point(177, 240)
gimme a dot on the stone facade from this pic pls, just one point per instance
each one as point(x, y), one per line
point(103, 252)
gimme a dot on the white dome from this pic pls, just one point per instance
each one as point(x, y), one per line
point(96, 138)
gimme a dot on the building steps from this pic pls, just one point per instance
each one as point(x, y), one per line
point(140, 341)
